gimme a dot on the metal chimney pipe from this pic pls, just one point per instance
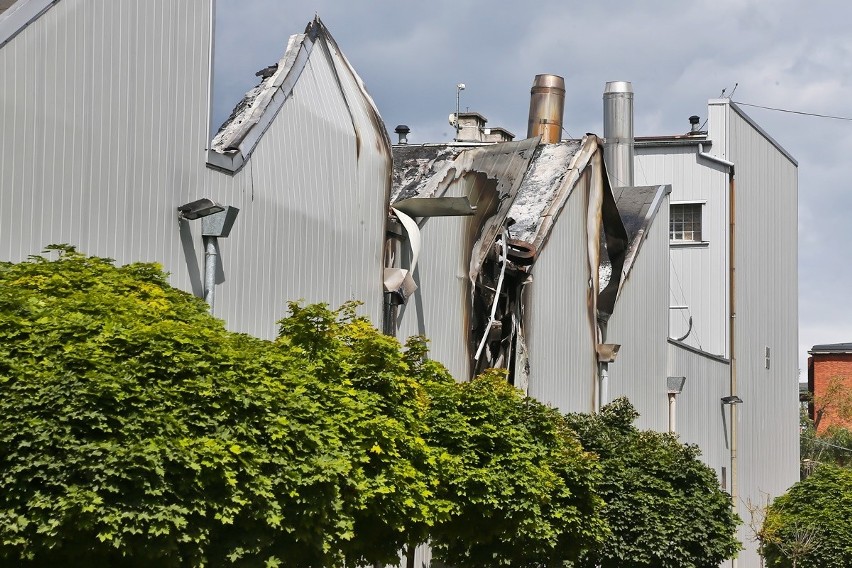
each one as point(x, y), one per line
point(547, 106)
point(618, 132)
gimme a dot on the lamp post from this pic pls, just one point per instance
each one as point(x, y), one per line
point(216, 221)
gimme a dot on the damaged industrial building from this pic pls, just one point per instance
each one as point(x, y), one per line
point(660, 268)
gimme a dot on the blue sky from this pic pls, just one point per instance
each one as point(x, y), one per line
point(677, 54)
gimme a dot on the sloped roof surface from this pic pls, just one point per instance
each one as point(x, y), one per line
point(832, 348)
point(5, 5)
point(416, 169)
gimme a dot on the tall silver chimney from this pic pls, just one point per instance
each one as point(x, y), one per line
point(618, 132)
point(547, 105)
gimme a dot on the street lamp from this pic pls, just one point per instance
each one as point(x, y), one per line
point(216, 221)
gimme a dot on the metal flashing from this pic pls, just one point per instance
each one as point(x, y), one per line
point(20, 15)
point(698, 351)
point(757, 127)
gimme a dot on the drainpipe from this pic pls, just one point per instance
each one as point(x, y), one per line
point(672, 413)
point(732, 302)
point(211, 261)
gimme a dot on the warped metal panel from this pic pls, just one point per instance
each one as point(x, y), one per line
point(453, 248)
point(561, 338)
point(104, 107)
point(312, 198)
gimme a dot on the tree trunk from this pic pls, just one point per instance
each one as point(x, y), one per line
point(409, 556)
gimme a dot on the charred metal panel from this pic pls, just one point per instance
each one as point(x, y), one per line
point(454, 249)
point(561, 329)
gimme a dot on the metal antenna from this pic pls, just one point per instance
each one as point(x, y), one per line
point(459, 89)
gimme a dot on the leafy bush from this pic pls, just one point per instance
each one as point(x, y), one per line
point(521, 489)
point(663, 506)
point(136, 430)
point(809, 526)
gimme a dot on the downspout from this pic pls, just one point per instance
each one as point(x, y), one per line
point(732, 302)
point(211, 260)
point(672, 413)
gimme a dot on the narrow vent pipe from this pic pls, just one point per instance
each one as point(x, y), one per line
point(547, 106)
point(618, 132)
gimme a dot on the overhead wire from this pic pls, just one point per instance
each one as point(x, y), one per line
point(799, 112)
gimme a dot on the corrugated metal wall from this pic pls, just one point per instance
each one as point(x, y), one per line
point(313, 208)
point(698, 272)
point(104, 107)
point(767, 311)
point(640, 325)
point(701, 417)
point(561, 337)
point(438, 309)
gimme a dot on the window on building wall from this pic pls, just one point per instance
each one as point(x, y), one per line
point(685, 222)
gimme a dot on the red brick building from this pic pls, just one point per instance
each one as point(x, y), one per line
point(830, 383)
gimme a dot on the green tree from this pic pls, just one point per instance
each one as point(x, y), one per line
point(136, 430)
point(664, 507)
point(520, 489)
point(393, 501)
point(809, 526)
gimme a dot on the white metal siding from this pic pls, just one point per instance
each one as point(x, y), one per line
point(102, 107)
point(640, 325)
point(311, 225)
point(561, 335)
point(698, 273)
point(701, 417)
point(767, 292)
point(104, 113)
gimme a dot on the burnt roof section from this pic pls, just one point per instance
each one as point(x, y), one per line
point(5, 5)
point(540, 187)
point(241, 132)
point(414, 164)
point(832, 348)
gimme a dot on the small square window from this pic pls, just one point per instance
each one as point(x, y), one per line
point(685, 222)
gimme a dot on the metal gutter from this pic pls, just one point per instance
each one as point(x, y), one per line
point(698, 351)
point(20, 15)
point(712, 158)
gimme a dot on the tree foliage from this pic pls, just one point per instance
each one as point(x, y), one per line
point(520, 489)
point(664, 506)
point(137, 430)
point(809, 526)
